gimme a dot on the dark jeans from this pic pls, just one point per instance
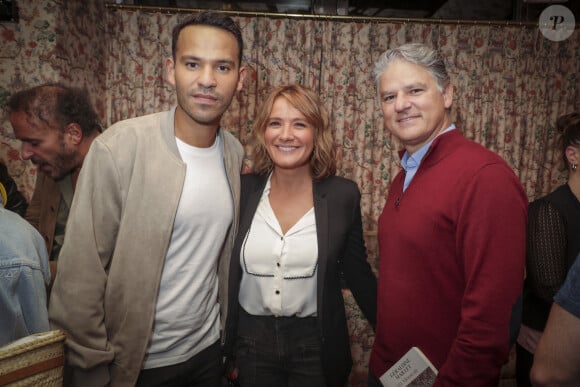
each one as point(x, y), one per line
point(278, 352)
point(202, 370)
point(373, 382)
point(524, 361)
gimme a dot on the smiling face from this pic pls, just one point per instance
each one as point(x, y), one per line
point(289, 137)
point(206, 74)
point(53, 151)
point(414, 109)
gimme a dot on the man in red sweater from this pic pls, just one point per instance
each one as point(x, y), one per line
point(451, 235)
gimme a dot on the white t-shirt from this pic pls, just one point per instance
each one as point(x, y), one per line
point(187, 310)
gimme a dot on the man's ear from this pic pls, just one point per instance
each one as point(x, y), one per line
point(74, 133)
point(242, 76)
point(448, 95)
point(170, 71)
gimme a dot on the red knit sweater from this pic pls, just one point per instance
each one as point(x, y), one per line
point(452, 251)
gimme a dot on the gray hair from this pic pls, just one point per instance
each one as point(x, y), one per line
point(418, 54)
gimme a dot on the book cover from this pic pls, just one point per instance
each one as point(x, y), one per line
point(412, 370)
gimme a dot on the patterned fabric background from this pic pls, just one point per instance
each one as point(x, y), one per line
point(510, 86)
point(52, 41)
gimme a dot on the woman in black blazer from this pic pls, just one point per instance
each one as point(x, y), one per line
point(300, 231)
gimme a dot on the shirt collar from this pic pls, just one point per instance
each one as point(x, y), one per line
point(413, 161)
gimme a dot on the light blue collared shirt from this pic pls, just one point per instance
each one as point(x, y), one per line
point(410, 163)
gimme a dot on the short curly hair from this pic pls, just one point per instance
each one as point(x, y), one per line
point(57, 105)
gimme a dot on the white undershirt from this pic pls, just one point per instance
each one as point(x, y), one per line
point(279, 271)
point(187, 310)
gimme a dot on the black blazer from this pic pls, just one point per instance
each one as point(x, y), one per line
point(341, 252)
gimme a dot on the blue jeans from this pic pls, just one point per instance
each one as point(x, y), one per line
point(202, 370)
point(278, 352)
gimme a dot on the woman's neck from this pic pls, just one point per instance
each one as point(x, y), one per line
point(574, 183)
point(291, 179)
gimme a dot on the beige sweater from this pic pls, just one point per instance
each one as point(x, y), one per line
point(117, 237)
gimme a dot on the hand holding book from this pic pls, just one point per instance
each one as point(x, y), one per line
point(412, 370)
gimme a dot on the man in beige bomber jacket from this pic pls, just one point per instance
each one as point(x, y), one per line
point(141, 290)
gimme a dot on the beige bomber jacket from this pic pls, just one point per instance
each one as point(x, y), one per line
point(118, 233)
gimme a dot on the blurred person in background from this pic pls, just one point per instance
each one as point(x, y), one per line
point(24, 273)
point(553, 242)
point(557, 356)
point(11, 196)
point(56, 125)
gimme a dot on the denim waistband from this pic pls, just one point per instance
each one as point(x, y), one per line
point(260, 317)
point(252, 322)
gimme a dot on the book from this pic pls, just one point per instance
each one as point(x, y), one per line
point(413, 369)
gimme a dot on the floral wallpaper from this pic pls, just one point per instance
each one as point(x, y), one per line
point(510, 86)
point(52, 41)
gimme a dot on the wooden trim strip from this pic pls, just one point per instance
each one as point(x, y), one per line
point(30, 370)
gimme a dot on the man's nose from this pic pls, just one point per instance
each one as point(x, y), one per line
point(207, 77)
point(25, 151)
point(401, 103)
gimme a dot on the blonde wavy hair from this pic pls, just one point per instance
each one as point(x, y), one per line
point(323, 158)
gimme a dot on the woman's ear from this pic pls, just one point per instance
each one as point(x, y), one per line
point(573, 155)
